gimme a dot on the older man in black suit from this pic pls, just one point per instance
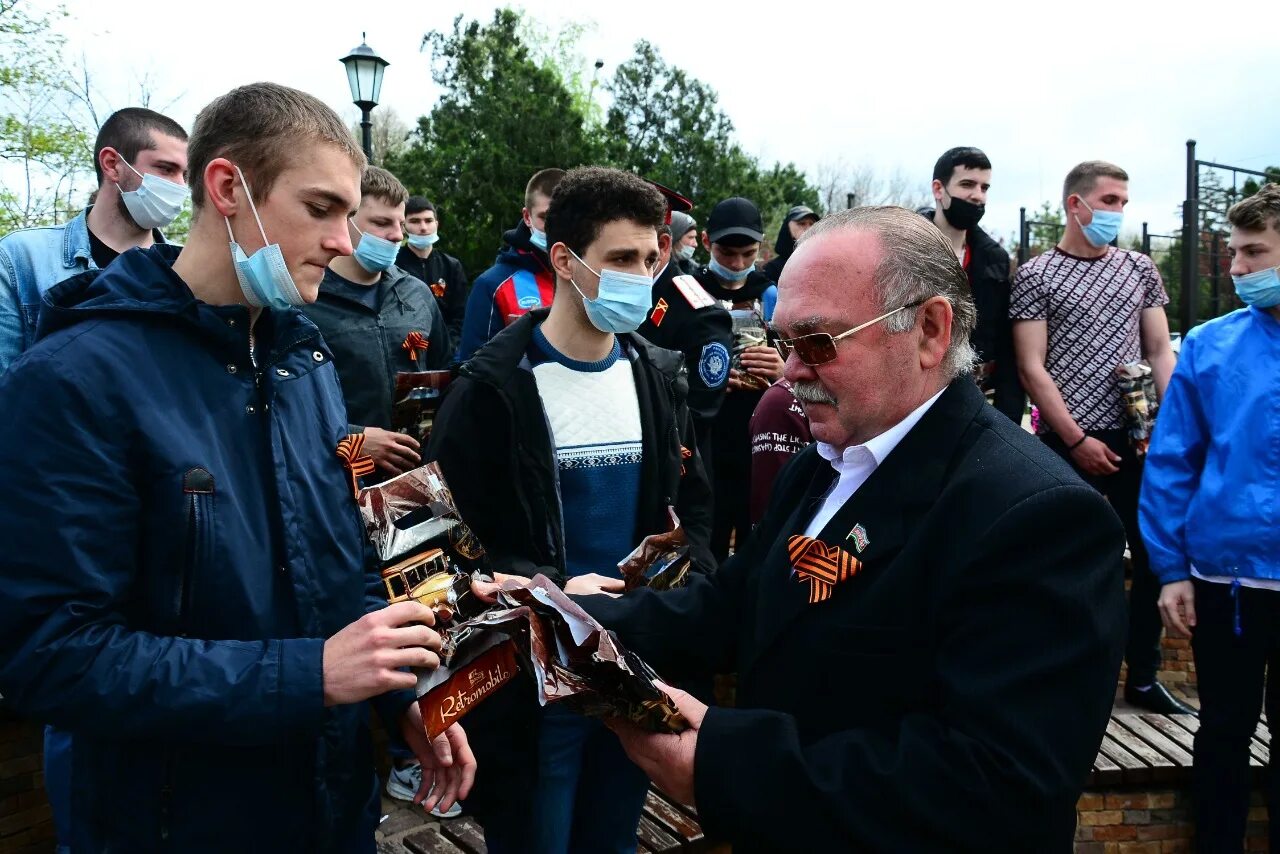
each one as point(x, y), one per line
point(927, 624)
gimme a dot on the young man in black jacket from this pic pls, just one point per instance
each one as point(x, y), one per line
point(379, 321)
point(733, 236)
point(686, 319)
point(961, 179)
point(420, 258)
point(564, 440)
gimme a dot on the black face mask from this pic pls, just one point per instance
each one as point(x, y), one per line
point(963, 214)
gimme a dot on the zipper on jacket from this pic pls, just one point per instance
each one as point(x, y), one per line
point(166, 799)
point(197, 488)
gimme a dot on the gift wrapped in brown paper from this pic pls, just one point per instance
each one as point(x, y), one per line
point(428, 554)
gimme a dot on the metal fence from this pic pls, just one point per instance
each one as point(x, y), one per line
point(1205, 289)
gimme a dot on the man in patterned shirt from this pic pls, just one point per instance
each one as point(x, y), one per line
point(1079, 310)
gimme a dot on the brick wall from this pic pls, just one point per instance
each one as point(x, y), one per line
point(1149, 821)
point(26, 825)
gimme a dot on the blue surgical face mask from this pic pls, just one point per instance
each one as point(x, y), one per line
point(374, 253)
point(264, 277)
point(156, 202)
point(1103, 228)
point(622, 302)
point(1260, 289)
point(422, 241)
point(725, 273)
point(684, 253)
point(538, 238)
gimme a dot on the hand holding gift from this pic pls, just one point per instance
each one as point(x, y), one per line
point(488, 632)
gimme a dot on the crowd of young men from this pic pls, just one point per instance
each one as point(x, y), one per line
point(188, 602)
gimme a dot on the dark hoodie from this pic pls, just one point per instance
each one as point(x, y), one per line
point(183, 539)
point(783, 247)
point(519, 281)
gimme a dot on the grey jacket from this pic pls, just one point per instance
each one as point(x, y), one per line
point(368, 346)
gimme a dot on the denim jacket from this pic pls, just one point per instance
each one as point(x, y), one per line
point(32, 261)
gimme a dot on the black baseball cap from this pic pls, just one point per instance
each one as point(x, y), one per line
point(735, 217)
point(801, 212)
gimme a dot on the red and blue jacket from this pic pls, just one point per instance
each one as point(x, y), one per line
point(519, 281)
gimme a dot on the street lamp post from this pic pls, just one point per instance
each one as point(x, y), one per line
point(364, 74)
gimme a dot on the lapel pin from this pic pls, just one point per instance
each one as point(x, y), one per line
point(859, 537)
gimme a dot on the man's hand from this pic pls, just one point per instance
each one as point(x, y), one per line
point(448, 765)
point(363, 659)
point(666, 759)
point(1178, 607)
point(393, 452)
point(1095, 457)
point(762, 361)
point(487, 591)
point(593, 583)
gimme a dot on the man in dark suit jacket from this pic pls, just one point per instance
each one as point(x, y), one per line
point(950, 689)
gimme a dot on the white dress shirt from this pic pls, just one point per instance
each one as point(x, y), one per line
point(856, 464)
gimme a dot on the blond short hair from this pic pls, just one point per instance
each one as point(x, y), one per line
point(381, 184)
point(543, 181)
point(1084, 177)
point(259, 127)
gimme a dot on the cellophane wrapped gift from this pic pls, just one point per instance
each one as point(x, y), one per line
point(661, 561)
point(1138, 391)
point(416, 401)
point(429, 554)
point(748, 331)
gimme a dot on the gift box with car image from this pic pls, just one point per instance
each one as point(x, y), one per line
point(428, 554)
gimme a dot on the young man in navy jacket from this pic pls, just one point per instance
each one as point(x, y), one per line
point(186, 589)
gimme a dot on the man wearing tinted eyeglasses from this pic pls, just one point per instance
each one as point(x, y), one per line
point(927, 622)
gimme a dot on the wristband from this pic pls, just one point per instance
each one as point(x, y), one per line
point(1079, 443)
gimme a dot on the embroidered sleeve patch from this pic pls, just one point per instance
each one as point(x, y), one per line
point(659, 312)
point(713, 364)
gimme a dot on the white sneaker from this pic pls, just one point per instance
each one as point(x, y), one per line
point(403, 783)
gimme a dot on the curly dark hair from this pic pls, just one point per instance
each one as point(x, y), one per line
point(589, 197)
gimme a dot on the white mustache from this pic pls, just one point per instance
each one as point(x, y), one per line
point(812, 392)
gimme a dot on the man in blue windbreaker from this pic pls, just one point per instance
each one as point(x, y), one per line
point(185, 587)
point(1210, 516)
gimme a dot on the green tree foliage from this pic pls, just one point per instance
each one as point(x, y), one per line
point(558, 52)
point(1253, 185)
point(668, 126)
point(1046, 227)
point(42, 151)
point(502, 117)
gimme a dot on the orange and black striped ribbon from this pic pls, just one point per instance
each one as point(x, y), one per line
point(821, 565)
point(414, 343)
point(354, 460)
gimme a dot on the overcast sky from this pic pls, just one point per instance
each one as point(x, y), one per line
point(1040, 87)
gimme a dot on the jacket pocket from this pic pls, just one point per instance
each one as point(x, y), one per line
point(197, 541)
